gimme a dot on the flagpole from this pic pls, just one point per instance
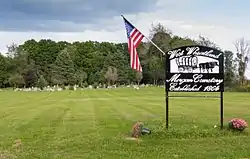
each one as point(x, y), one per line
point(155, 45)
point(150, 41)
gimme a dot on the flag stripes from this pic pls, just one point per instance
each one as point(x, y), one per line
point(134, 39)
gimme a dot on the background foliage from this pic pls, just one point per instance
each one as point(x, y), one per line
point(46, 62)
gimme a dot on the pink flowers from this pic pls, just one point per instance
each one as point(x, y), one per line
point(238, 124)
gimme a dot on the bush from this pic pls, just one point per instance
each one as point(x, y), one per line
point(95, 85)
point(85, 84)
point(239, 89)
point(71, 87)
point(248, 88)
point(41, 82)
point(63, 87)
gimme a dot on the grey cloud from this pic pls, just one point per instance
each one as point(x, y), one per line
point(48, 15)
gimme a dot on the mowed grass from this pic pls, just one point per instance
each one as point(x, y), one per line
point(95, 123)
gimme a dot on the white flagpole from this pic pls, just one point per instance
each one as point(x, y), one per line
point(150, 40)
point(155, 45)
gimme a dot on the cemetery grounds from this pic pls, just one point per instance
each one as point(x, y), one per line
point(96, 123)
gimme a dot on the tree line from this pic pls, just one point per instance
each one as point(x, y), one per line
point(46, 62)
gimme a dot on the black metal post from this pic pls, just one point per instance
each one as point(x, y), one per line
point(221, 110)
point(167, 112)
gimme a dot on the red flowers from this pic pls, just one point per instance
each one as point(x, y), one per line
point(238, 124)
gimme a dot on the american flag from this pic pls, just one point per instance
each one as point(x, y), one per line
point(134, 39)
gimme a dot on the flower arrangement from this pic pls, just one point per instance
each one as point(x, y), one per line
point(237, 124)
point(138, 130)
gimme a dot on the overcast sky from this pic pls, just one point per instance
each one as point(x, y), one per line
point(223, 21)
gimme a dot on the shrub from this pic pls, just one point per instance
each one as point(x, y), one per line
point(71, 87)
point(95, 85)
point(63, 87)
point(41, 82)
point(85, 84)
point(239, 89)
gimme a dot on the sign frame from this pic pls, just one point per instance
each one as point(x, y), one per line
point(189, 75)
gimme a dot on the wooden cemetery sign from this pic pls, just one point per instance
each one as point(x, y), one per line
point(195, 69)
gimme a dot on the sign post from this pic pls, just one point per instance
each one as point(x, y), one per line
point(194, 68)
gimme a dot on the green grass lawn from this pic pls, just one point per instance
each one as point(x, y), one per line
point(95, 123)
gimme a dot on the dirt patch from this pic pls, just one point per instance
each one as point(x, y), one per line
point(137, 140)
point(17, 143)
point(6, 155)
point(131, 138)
